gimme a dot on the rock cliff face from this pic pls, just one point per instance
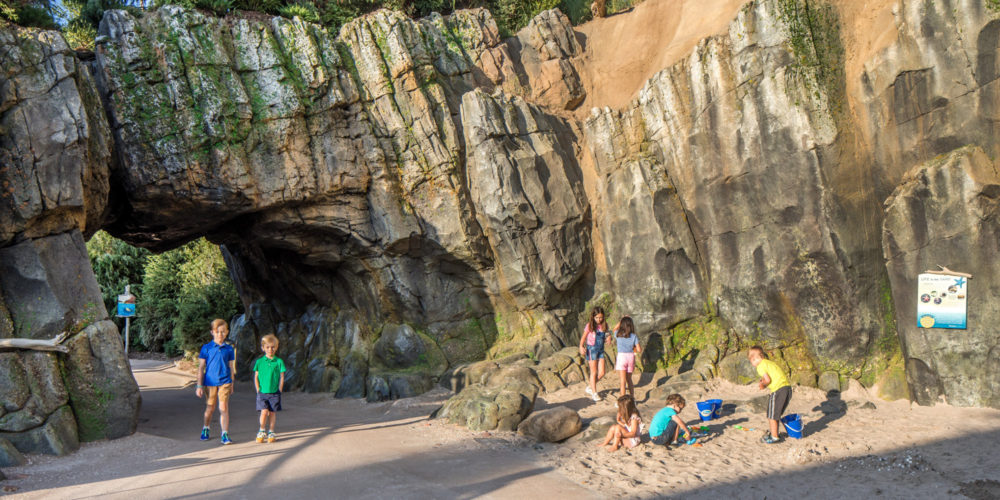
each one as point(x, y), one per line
point(947, 211)
point(55, 157)
point(405, 197)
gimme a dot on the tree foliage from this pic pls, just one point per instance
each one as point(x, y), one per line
point(179, 292)
point(116, 264)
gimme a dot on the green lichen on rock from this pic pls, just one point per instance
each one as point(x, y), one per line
point(687, 339)
point(814, 41)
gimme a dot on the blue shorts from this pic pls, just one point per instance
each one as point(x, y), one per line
point(269, 402)
point(667, 436)
point(595, 352)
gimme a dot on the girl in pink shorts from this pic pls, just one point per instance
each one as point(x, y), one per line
point(628, 347)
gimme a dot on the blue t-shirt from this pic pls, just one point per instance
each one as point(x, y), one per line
point(626, 344)
point(660, 421)
point(217, 358)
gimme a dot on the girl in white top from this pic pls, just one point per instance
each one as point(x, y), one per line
point(628, 429)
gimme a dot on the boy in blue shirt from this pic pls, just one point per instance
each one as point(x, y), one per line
point(666, 424)
point(216, 369)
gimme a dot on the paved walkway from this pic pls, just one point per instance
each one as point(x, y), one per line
point(327, 449)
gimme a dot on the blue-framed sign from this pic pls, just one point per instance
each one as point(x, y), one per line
point(942, 301)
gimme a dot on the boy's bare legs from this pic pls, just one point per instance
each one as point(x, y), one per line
point(208, 414)
point(263, 419)
point(773, 424)
point(223, 414)
point(273, 419)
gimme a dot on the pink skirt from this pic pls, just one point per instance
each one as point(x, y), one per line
point(625, 361)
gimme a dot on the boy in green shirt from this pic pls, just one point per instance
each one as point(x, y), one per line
point(268, 378)
point(773, 378)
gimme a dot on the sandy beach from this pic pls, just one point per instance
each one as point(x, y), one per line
point(330, 448)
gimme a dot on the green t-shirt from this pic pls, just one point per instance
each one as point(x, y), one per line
point(771, 369)
point(269, 373)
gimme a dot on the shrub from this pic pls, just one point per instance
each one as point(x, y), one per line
point(304, 12)
point(183, 291)
point(80, 34)
point(219, 7)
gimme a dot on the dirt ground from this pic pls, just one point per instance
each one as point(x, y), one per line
point(327, 448)
point(330, 448)
point(853, 446)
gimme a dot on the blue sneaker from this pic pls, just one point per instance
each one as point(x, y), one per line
point(768, 439)
point(225, 438)
point(204, 434)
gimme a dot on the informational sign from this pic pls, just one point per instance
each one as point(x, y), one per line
point(126, 310)
point(126, 304)
point(942, 301)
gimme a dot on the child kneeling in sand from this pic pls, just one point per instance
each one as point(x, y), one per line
point(773, 378)
point(666, 424)
point(629, 427)
point(269, 378)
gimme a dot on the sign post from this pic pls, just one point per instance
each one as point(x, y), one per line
point(126, 309)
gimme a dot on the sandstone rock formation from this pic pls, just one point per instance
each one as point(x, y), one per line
point(947, 212)
point(406, 198)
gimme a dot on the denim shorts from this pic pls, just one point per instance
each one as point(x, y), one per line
point(595, 352)
point(667, 436)
point(269, 402)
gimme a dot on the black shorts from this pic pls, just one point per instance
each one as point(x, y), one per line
point(269, 402)
point(778, 402)
point(668, 434)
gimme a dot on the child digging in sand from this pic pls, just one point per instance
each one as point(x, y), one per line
point(595, 335)
point(628, 347)
point(666, 424)
point(629, 427)
point(773, 378)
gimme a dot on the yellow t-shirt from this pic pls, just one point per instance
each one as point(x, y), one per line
point(771, 369)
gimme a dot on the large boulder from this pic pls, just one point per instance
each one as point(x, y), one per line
point(737, 369)
point(49, 286)
point(14, 389)
point(102, 391)
point(56, 436)
point(46, 388)
point(399, 346)
point(945, 208)
point(500, 407)
point(9, 456)
point(597, 428)
point(551, 425)
point(829, 381)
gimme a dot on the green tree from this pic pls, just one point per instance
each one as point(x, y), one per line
point(157, 306)
point(116, 264)
point(184, 290)
point(206, 293)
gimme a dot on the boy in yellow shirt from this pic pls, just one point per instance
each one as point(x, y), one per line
point(773, 378)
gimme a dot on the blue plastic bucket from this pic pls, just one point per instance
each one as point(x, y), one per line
point(706, 411)
point(793, 424)
point(716, 407)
